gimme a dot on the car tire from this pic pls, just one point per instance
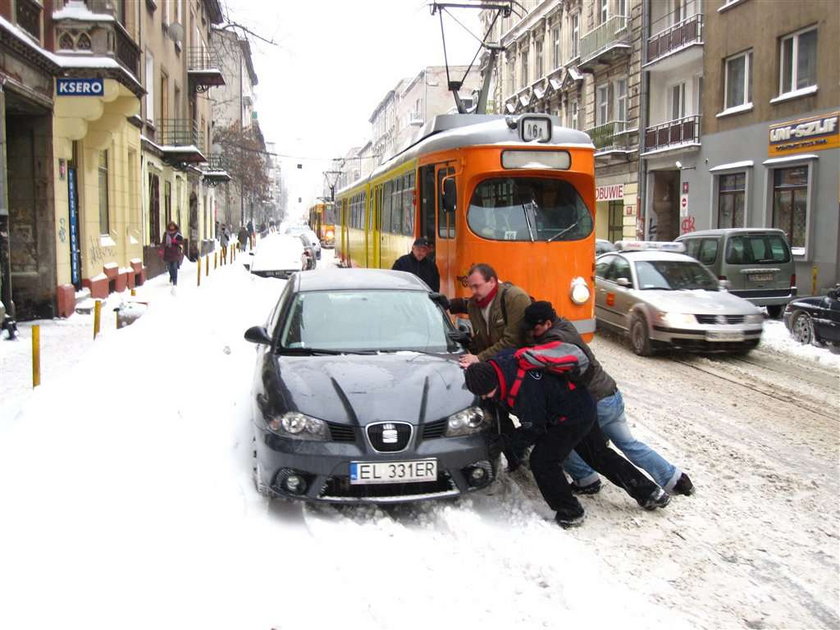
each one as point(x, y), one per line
point(775, 311)
point(801, 327)
point(639, 336)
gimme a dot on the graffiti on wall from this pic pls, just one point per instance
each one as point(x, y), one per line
point(98, 253)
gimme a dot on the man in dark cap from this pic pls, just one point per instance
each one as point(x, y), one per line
point(556, 417)
point(419, 263)
point(543, 325)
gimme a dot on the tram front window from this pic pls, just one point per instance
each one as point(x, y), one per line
point(528, 209)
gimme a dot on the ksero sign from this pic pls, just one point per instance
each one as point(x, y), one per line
point(79, 87)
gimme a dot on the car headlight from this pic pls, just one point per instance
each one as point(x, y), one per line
point(579, 291)
point(755, 318)
point(466, 422)
point(299, 426)
point(675, 320)
point(330, 233)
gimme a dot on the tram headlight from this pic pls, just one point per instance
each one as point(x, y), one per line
point(579, 291)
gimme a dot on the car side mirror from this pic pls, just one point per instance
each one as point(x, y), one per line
point(460, 336)
point(258, 334)
point(624, 282)
point(449, 194)
point(440, 299)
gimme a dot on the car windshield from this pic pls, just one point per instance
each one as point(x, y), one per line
point(365, 320)
point(674, 275)
point(528, 209)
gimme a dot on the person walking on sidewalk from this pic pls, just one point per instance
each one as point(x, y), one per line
point(543, 325)
point(556, 416)
point(173, 253)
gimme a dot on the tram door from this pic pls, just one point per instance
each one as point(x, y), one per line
point(374, 228)
point(445, 250)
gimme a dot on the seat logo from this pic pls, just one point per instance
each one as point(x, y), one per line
point(389, 434)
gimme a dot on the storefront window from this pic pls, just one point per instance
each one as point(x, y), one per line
point(615, 230)
point(104, 220)
point(731, 200)
point(790, 204)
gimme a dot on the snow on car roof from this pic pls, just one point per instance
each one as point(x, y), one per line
point(341, 279)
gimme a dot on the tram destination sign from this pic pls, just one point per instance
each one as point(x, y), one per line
point(535, 129)
point(79, 87)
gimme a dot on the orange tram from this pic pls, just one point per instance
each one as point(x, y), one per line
point(322, 222)
point(516, 192)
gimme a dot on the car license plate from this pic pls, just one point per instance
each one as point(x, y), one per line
point(760, 277)
point(715, 335)
point(393, 472)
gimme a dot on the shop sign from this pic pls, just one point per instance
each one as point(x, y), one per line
point(805, 134)
point(79, 87)
point(609, 193)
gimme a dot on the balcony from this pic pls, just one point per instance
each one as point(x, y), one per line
point(181, 141)
point(77, 33)
point(607, 44)
point(203, 69)
point(611, 137)
point(674, 134)
point(684, 35)
point(214, 172)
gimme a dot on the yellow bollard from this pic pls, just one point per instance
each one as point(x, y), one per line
point(36, 356)
point(207, 266)
point(814, 280)
point(198, 271)
point(215, 260)
point(97, 314)
point(133, 293)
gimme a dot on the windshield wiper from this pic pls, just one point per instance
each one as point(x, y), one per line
point(562, 232)
point(528, 222)
point(314, 351)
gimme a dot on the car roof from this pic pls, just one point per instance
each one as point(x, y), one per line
point(351, 279)
point(722, 231)
point(650, 254)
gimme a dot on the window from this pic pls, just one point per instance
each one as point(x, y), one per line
point(540, 69)
point(572, 113)
point(104, 219)
point(150, 86)
point(622, 8)
point(575, 36)
point(524, 66)
point(790, 204)
point(511, 73)
point(602, 105)
point(678, 101)
point(620, 90)
point(738, 78)
point(798, 61)
point(555, 44)
point(731, 200)
point(677, 11)
point(615, 229)
point(603, 11)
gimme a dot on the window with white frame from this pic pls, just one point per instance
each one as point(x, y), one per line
point(678, 101)
point(622, 8)
point(524, 67)
point(732, 193)
point(738, 81)
point(790, 204)
point(539, 54)
point(510, 74)
point(798, 61)
point(677, 11)
point(555, 44)
point(572, 114)
point(602, 105)
point(104, 217)
point(603, 11)
point(150, 86)
point(575, 36)
point(620, 91)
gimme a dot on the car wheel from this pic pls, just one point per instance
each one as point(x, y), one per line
point(260, 485)
point(639, 336)
point(775, 311)
point(801, 327)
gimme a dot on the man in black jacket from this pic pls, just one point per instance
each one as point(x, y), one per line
point(543, 325)
point(418, 263)
point(556, 416)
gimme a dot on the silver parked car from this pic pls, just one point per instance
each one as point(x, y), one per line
point(668, 299)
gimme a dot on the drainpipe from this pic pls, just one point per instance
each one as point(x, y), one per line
point(644, 83)
point(8, 322)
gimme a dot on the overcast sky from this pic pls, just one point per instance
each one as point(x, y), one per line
point(333, 62)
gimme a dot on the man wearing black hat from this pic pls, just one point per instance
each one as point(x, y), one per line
point(556, 417)
point(418, 263)
point(542, 323)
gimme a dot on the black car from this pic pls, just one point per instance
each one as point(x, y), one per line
point(358, 396)
point(815, 319)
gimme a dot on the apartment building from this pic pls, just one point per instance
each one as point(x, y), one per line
point(770, 143)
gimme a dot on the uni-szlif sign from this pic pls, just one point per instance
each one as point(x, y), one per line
point(79, 87)
point(805, 134)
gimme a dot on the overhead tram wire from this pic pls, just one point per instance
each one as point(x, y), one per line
point(302, 157)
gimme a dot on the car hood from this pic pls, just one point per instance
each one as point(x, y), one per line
point(698, 301)
point(358, 389)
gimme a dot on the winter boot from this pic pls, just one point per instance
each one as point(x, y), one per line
point(657, 499)
point(591, 488)
point(567, 520)
point(684, 486)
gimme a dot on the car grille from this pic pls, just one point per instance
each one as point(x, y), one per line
point(389, 437)
point(720, 319)
point(342, 432)
point(341, 488)
point(434, 430)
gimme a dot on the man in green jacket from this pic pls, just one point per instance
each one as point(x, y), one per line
point(495, 310)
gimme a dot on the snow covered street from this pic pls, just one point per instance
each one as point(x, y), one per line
point(130, 504)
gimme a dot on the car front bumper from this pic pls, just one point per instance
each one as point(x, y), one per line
point(712, 338)
point(325, 467)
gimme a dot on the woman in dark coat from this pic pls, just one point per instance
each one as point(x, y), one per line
point(172, 253)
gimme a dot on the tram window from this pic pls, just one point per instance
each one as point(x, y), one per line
point(407, 226)
point(446, 220)
point(385, 202)
point(528, 209)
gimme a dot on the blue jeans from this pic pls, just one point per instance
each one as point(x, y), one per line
point(172, 266)
point(614, 425)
